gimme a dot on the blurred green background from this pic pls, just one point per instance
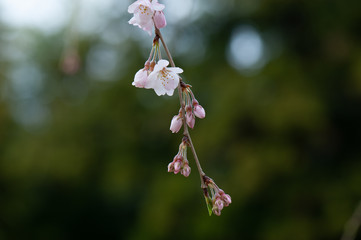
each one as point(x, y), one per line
point(84, 154)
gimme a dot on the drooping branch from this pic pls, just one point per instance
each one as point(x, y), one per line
point(164, 80)
point(186, 133)
point(352, 225)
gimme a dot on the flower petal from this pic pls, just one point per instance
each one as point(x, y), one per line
point(172, 81)
point(157, 6)
point(148, 27)
point(170, 92)
point(159, 89)
point(175, 69)
point(133, 21)
point(140, 78)
point(160, 65)
point(133, 6)
point(152, 79)
point(144, 17)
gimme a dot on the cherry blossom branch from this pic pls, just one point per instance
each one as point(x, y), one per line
point(352, 225)
point(185, 127)
point(148, 14)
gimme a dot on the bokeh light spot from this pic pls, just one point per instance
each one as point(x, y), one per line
point(246, 49)
point(47, 15)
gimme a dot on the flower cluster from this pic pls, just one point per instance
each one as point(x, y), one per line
point(156, 75)
point(192, 109)
point(146, 14)
point(216, 198)
point(180, 162)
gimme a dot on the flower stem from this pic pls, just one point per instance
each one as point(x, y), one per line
point(352, 225)
point(185, 127)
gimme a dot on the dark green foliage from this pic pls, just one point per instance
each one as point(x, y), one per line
point(284, 142)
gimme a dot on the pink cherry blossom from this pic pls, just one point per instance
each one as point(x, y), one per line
point(143, 11)
point(163, 79)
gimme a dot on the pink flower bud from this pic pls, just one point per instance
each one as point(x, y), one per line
point(199, 111)
point(159, 19)
point(186, 170)
point(177, 167)
point(171, 167)
point(176, 124)
point(147, 65)
point(190, 119)
point(227, 199)
point(178, 158)
point(217, 211)
point(151, 66)
point(219, 203)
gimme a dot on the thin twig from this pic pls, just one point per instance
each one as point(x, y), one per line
point(185, 127)
point(352, 225)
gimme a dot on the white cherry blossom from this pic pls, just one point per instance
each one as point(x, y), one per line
point(163, 79)
point(140, 78)
point(143, 11)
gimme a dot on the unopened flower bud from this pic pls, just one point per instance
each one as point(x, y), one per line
point(176, 124)
point(177, 167)
point(190, 119)
point(219, 203)
point(151, 67)
point(178, 158)
point(147, 65)
point(218, 197)
point(227, 199)
point(186, 170)
point(199, 111)
point(171, 167)
point(217, 211)
point(159, 19)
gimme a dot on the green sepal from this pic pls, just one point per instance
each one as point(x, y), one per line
point(209, 205)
